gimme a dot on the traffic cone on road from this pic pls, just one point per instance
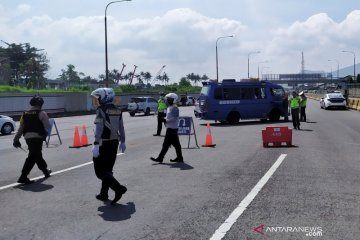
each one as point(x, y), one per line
point(76, 141)
point(208, 138)
point(84, 138)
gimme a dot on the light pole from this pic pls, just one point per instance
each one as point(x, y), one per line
point(249, 61)
point(217, 63)
point(337, 73)
point(354, 61)
point(106, 50)
point(259, 68)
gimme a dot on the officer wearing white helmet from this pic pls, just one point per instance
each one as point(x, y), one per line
point(109, 131)
point(171, 136)
point(34, 125)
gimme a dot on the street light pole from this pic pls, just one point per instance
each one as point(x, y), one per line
point(354, 61)
point(217, 62)
point(106, 48)
point(249, 61)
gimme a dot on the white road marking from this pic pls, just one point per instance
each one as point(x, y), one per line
point(225, 227)
point(54, 173)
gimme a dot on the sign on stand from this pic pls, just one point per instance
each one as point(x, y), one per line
point(52, 123)
point(184, 128)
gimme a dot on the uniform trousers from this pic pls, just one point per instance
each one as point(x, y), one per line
point(171, 138)
point(160, 121)
point(302, 114)
point(34, 156)
point(295, 117)
point(104, 165)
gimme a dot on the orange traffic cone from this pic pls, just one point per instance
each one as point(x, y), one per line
point(208, 138)
point(76, 142)
point(84, 138)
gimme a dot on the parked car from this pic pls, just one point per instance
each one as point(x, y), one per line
point(7, 125)
point(142, 104)
point(333, 100)
point(186, 100)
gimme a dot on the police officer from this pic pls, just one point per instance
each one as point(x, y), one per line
point(295, 105)
point(161, 113)
point(109, 130)
point(171, 136)
point(34, 125)
point(303, 101)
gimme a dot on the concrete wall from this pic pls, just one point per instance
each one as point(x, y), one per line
point(13, 104)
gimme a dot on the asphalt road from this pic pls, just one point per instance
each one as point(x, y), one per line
point(224, 192)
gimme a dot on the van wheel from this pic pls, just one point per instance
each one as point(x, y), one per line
point(233, 117)
point(274, 115)
point(132, 114)
point(147, 112)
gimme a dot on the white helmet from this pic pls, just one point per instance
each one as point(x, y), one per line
point(171, 98)
point(104, 95)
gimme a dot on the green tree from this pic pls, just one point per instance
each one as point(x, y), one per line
point(193, 77)
point(184, 82)
point(28, 64)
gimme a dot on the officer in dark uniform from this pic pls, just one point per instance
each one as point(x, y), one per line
point(171, 136)
point(109, 130)
point(34, 125)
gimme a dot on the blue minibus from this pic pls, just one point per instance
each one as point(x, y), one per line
point(230, 101)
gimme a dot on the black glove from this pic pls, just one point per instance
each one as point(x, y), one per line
point(16, 144)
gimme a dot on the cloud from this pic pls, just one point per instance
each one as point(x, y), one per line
point(184, 41)
point(22, 9)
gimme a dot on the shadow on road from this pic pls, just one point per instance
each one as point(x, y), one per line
point(181, 165)
point(117, 212)
point(37, 186)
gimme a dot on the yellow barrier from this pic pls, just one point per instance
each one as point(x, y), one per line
point(356, 103)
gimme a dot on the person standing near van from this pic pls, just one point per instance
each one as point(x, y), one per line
point(109, 130)
point(295, 108)
point(171, 136)
point(303, 101)
point(161, 113)
point(34, 125)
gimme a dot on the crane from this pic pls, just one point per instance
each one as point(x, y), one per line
point(133, 74)
point(158, 73)
point(119, 76)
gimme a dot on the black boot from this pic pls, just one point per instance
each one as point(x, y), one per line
point(102, 197)
point(177, 159)
point(47, 173)
point(24, 180)
point(118, 194)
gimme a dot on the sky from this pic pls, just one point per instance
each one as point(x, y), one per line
point(183, 35)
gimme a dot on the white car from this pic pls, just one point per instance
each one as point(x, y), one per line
point(333, 100)
point(7, 125)
point(142, 104)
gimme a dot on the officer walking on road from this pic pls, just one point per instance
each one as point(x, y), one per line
point(171, 136)
point(161, 113)
point(34, 125)
point(303, 101)
point(109, 130)
point(295, 105)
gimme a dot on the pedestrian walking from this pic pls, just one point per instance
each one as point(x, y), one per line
point(171, 136)
point(161, 113)
point(34, 125)
point(303, 101)
point(295, 108)
point(109, 131)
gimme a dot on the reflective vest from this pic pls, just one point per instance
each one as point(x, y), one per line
point(161, 105)
point(303, 102)
point(295, 102)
